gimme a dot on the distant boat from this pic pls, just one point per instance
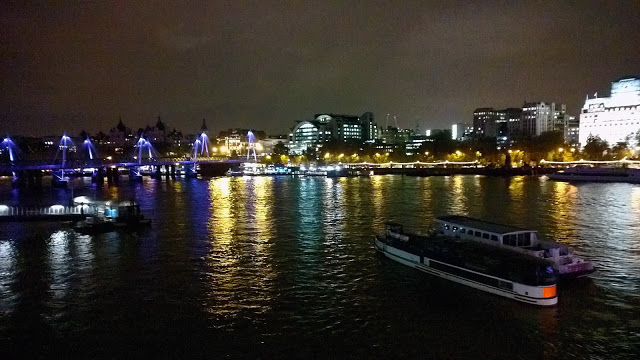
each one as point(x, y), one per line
point(525, 241)
point(110, 216)
point(587, 173)
point(483, 267)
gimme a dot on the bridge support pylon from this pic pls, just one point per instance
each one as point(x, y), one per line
point(135, 175)
point(98, 176)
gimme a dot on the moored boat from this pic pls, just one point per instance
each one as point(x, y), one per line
point(565, 262)
point(107, 216)
point(511, 275)
point(586, 173)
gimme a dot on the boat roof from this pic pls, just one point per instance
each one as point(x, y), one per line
point(481, 224)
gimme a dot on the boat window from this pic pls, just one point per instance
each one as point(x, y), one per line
point(494, 238)
point(446, 227)
point(485, 235)
point(455, 228)
point(509, 240)
point(478, 233)
point(462, 231)
point(521, 239)
point(527, 239)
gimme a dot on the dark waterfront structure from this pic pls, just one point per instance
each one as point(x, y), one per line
point(272, 267)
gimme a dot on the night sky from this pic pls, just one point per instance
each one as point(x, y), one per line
point(265, 64)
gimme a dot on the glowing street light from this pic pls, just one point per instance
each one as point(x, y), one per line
point(560, 149)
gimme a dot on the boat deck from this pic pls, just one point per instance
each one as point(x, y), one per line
point(488, 226)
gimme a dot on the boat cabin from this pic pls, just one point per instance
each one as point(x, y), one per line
point(468, 228)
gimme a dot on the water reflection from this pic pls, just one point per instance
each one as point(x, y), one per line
point(59, 264)
point(458, 197)
point(240, 272)
point(333, 210)
point(561, 212)
point(7, 275)
point(287, 261)
point(377, 195)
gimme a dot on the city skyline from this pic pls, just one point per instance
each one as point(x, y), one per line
point(83, 65)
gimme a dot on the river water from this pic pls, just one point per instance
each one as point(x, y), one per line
point(273, 267)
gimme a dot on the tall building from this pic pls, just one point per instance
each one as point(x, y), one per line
point(484, 122)
point(369, 127)
point(612, 118)
point(538, 117)
point(571, 130)
point(488, 122)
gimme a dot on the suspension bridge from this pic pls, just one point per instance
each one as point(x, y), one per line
point(144, 162)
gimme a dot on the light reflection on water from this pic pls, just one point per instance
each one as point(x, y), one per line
point(277, 262)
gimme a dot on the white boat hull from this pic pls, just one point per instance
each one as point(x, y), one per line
point(523, 293)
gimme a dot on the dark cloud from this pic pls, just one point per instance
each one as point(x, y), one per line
point(265, 64)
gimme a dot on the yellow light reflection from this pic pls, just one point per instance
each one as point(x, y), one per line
point(241, 231)
point(459, 200)
point(562, 211)
point(377, 195)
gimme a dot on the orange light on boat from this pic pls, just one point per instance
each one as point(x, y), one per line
point(549, 292)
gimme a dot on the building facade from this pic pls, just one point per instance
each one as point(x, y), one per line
point(461, 131)
point(489, 122)
point(572, 130)
point(331, 127)
point(538, 117)
point(615, 118)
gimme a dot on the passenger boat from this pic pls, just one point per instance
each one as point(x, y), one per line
point(525, 241)
point(584, 173)
point(476, 265)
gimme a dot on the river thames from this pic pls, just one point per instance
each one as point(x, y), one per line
point(280, 267)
